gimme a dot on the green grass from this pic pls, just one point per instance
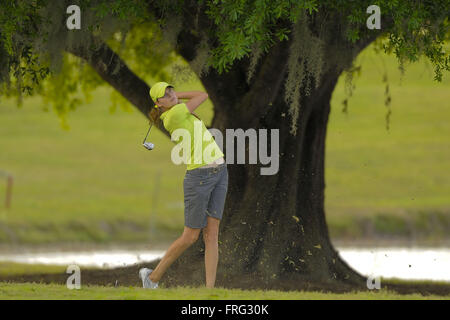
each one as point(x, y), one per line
point(405, 167)
point(52, 292)
point(35, 290)
point(16, 269)
point(96, 183)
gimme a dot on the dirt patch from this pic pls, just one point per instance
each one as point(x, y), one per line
point(128, 276)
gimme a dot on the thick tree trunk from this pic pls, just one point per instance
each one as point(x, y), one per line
point(274, 232)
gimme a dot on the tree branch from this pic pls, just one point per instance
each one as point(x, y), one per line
point(114, 71)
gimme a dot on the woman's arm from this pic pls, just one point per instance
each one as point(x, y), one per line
point(196, 98)
point(188, 94)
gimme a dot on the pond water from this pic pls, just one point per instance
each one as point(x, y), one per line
point(401, 263)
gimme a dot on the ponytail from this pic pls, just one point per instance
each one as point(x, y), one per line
point(154, 115)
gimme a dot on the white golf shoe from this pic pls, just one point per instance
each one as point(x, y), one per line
point(144, 274)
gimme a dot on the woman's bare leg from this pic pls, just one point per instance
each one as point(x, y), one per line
point(188, 237)
point(211, 239)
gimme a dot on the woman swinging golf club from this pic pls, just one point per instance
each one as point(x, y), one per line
point(205, 184)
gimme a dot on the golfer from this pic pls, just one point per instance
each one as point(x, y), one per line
point(205, 182)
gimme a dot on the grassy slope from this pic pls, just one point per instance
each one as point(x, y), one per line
point(97, 183)
point(399, 178)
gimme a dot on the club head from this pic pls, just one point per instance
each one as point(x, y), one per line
point(148, 145)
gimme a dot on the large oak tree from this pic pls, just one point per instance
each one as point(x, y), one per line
point(265, 65)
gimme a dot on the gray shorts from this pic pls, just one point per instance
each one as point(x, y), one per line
point(205, 190)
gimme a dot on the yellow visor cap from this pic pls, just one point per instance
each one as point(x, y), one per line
point(158, 90)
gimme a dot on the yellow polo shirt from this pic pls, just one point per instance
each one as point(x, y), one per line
point(203, 147)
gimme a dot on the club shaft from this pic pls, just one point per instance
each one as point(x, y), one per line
point(148, 132)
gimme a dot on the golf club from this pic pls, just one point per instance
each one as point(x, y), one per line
point(148, 145)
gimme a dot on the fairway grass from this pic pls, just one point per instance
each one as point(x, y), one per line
point(12, 286)
point(96, 183)
point(9, 291)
